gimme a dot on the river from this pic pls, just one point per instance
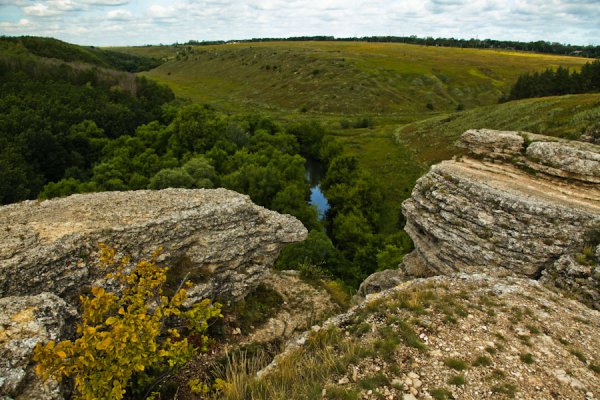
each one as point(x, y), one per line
point(314, 174)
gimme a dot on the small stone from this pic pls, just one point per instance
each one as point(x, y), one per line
point(344, 381)
point(417, 383)
point(409, 396)
point(413, 375)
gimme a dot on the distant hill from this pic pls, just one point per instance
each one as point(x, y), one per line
point(56, 49)
point(344, 77)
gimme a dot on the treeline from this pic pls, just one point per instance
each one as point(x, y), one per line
point(55, 120)
point(556, 82)
point(539, 46)
point(57, 49)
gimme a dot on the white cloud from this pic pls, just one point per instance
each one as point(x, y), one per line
point(101, 22)
point(119, 15)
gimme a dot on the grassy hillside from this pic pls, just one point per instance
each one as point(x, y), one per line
point(344, 77)
point(564, 116)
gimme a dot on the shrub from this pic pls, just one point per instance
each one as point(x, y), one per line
point(122, 335)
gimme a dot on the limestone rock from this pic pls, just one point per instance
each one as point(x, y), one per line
point(380, 281)
point(25, 321)
point(490, 215)
point(228, 241)
point(552, 156)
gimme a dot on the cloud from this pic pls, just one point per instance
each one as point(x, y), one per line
point(107, 22)
point(119, 15)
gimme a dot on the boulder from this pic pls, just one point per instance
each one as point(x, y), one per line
point(225, 242)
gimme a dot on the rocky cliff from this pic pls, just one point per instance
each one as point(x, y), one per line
point(516, 203)
point(217, 238)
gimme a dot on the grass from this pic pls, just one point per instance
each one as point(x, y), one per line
point(482, 361)
point(374, 381)
point(456, 364)
point(457, 380)
point(508, 389)
point(441, 394)
point(433, 139)
point(527, 358)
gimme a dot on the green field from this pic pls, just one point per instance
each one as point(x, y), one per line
point(390, 83)
point(343, 77)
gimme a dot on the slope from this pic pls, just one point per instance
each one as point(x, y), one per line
point(345, 77)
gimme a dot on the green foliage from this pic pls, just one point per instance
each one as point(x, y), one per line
point(557, 82)
point(456, 364)
point(441, 394)
point(457, 380)
point(121, 338)
point(56, 120)
point(256, 308)
point(527, 358)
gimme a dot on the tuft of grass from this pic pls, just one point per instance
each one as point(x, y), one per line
point(456, 364)
point(409, 336)
point(441, 394)
point(497, 374)
point(595, 368)
point(457, 380)
point(491, 350)
point(527, 358)
point(577, 353)
point(482, 361)
point(533, 329)
point(374, 381)
point(507, 389)
point(341, 393)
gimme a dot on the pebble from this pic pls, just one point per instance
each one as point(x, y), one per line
point(344, 381)
point(409, 397)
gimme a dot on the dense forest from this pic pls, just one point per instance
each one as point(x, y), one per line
point(557, 82)
point(539, 46)
point(70, 127)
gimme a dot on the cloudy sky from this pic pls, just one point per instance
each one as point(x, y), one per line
point(136, 22)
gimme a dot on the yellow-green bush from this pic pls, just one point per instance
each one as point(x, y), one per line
point(122, 334)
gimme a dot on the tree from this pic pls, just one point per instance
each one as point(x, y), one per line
point(123, 334)
point(171, 178)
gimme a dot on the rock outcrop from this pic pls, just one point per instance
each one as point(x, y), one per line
point(219, 239)
point(517, 203)
point(229, 242)
point(24, 322)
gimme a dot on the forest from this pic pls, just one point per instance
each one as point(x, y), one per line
point(557, 82)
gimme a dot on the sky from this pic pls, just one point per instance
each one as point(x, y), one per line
point(139, 22)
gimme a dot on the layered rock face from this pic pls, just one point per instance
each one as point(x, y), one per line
point(519, 203)
point(217, 238)
point(229, 242)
